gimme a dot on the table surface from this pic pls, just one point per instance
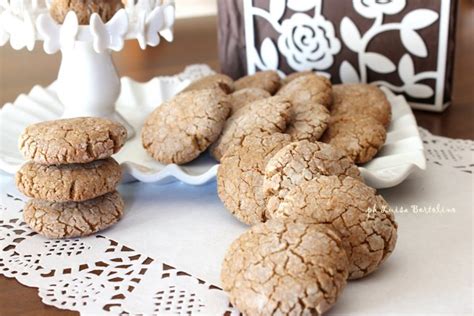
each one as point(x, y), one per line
point(196, 42)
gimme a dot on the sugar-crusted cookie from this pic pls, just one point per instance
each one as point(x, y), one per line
point(240, 175)
point(269, 115)
point(84, 9)
point(72, 182)
point(284, 267)
point(309, 88)
point(76, 140)
point(309, 121)
point(363, 219)
point(299, 162)
point(295, 75)
point(241, 98)
point(215, 81)
point(361, 137)
point(183, 127)
point(267, 80)
point(73, 219)
point(357, 98)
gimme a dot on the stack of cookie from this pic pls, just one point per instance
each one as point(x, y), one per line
point(71, 176)
point(84, 9)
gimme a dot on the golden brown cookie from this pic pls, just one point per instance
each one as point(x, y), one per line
point(309, 88)
point(309, 121)
point(270, 115)
point(295, 75)
point(183, 127)
point(267, 80)
point(76, 140)
point(243, 97)
point(73, 219)
point(285, 267)
point(368, 99)
point(216, 81)
point(300, 162)
point(240, 175)
point(84, 9)
point(360, 136)
point(363, 219)
point(73, 182)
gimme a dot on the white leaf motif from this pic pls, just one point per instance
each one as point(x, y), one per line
point(379, 63)
point(350, 34)
point(347, 73)
point(301, 6)
point(413, 42)
point(406, 69)
point(277, 8)
point(419, 91)
point(269, 54)
point(419, 19)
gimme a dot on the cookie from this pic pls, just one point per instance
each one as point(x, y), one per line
point(360, 136)
point(73, 182)
point(309, 88)
point(243, 97)
point(84, 9)
point(300, 162)
point(182, 128)
point(73, 219)
point(270, 115)
point(75, 140)
point(216, 81)
point(267, 80)
point(309, 121)
point(284, 267)
point(295, 75)
point(357, 98)
point(240, 175)
point(363, 219)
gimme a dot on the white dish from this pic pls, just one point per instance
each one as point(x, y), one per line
point(401, 154)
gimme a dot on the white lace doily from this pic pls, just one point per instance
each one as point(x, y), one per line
point(97, 274)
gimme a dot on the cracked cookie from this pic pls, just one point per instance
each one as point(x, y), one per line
point(300, 162)
point(285, 267)
point(84, 9)
point(216, 81)
point(270, 115)
point(76, 140)
point(352, 99)
point(72, 182)
point(182, 128)
point(361, 137)
point(240, 175)
point(73, 219)
point(295, 75)
point(309, 88)
point(267, 80)
point(309, 121)
point(243, 97)
point(363, 219)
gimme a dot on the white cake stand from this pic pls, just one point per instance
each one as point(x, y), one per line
point(88, 83)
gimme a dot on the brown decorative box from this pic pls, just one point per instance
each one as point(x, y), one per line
point(406, 46)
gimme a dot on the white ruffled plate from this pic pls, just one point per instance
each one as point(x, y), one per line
point(402, 152)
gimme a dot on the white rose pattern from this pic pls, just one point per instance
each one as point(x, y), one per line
point(374, 8)
point(308, 42)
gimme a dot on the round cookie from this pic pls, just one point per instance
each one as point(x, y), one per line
point(285, 267)
point(300, 162)
point(73, 182)
point(84, 9)
point(357, 98)
point(73, 219)
point(363, 219)
point(75, 140)
point(183, 127)
point(267, 80)
point(240, 175)
point(309, 121)
point(295, 75)
point(309, 88)
point(243, 97)
point(361, 137)
point(270, 115)
point(216, 81)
